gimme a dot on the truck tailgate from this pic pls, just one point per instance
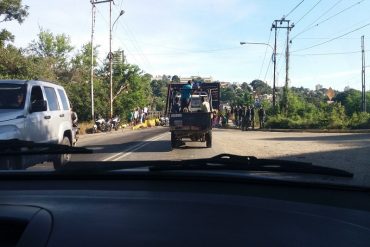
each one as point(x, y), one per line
point(190, 120)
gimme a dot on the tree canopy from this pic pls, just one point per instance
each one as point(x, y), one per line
point(11, 10)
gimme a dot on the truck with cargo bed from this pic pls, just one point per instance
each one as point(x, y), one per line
point(192, 123)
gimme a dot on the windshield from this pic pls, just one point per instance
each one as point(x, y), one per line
point(281, 80)
point(12, 96)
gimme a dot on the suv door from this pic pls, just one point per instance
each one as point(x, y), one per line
point(65, 110)
point(55, 113)
point(37, 122)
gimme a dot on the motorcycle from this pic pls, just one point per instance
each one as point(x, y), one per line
point(101, 125)
point(115, 123)
point(164, 121)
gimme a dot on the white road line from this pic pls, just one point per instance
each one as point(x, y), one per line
point(129, 150)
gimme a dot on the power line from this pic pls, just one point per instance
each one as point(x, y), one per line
point(293, 9)
point(136, 47)
point(267, 70)
point(264, 57)
point(327, 19)
point(311, 25)
point(135, 43)
point(122, 43)
point(329, 53)
point(318, 38)
point(308, 12)
point(335, 38)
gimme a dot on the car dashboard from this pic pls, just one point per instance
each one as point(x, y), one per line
point(145, 211)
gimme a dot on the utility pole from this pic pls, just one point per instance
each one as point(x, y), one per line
point(110, 60)
point(93, 3)
point(363, 74)
point(287, 57)
point(274, 25)
point(284, 24)
point(92, 59)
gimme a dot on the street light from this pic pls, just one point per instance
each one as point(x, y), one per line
point(273, 59)
point(111, 55)
point(256, 43)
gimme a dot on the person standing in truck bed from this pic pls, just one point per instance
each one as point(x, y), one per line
point(185, 96)
point(205, 107)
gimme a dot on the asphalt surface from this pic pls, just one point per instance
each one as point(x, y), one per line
point(348, 151)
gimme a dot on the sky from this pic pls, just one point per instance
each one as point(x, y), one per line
point(193, 37)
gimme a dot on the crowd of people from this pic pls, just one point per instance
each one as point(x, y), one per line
point(138, 116)
point(243, 117)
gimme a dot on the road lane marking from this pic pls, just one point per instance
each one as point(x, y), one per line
point(129, 150)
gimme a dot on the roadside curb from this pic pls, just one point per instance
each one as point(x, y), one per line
point(359, 131)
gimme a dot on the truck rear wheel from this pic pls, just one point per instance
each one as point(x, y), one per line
point(173, 140)
point(208, 139)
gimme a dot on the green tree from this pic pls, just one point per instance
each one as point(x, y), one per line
point(351, 100)
point(261, 87)
point(159, 91)
point(14, 64)
point(80, 70)
point(175, 79)
point(55, 49)
point(11, 10)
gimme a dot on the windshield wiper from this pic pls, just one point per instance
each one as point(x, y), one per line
point(221, 162)
point(19, 147)
point(251, 163)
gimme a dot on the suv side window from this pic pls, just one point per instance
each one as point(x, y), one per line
point(36, 94)
point(63, 98)
point(52, 98)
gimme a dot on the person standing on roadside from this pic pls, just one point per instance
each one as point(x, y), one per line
point(248, 117)
point(243, 118)
point(252, 117)
point(240, 115)
point(136, 116)
point(236, 115)
point(262, 117)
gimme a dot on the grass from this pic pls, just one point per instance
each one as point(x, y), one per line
point(85, 127)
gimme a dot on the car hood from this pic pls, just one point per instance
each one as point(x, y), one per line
point(10, 114)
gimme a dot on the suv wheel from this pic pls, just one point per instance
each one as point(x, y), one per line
point(62, 159)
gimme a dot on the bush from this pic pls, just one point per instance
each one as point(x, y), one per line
point(360, 120)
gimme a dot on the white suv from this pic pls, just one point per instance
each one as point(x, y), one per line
point(36, 111)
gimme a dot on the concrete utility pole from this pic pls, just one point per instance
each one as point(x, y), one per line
point(93, 3)
point(274, 25)
point(363, 74)
point(92, 59)
point(110, 60)
point(285, 24)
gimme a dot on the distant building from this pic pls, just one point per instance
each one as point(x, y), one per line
point(264, 97)
point(186, 79)
point(318, 87)
point(225, 84)
point(347, 88)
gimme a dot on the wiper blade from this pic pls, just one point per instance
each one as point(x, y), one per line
point(19, 147)
point(251, 163)
point(219, 162)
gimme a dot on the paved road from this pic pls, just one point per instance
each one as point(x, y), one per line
point(341, 150)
